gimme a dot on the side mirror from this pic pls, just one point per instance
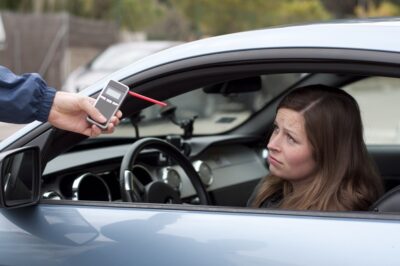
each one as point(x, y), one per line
point(19, 177)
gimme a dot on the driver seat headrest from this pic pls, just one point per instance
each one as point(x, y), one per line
point(389, 202)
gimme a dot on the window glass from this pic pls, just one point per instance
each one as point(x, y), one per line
point(379, 99)
point(215, 112)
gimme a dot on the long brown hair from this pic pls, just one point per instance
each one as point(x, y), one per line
point(347, 178)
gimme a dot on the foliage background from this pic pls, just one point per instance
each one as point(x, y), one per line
point(192, 19)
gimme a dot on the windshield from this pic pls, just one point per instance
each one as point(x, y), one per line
point(121, 55)
point(215, 113)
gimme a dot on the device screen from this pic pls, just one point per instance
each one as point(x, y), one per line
point(109, 101)
point(113, 93)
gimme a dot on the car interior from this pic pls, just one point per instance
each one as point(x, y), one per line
point(220, 129)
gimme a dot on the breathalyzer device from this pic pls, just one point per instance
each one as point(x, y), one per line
point(109, 101)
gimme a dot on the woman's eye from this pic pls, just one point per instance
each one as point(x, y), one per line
point(291, 139)
point(276, 129)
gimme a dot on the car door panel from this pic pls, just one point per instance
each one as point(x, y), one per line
point(51, 234)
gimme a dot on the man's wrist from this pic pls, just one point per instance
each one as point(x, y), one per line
point(46, 102)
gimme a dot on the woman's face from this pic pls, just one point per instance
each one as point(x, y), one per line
point(290, 153)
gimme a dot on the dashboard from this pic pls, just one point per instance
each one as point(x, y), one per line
point(229, 167)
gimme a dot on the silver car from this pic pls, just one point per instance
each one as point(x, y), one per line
point(170, 187)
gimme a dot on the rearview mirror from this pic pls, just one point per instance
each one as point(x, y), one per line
point(19, 177)
point(244, 85)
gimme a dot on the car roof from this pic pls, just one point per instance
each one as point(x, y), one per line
point(154, 45)
point(366, 34)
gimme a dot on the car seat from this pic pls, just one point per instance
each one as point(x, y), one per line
point(389, 202)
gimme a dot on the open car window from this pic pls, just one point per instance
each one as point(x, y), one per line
point(215, 112)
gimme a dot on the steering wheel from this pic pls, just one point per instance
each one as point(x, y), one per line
point(132, 190)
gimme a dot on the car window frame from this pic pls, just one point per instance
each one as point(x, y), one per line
point(281, 61)
point(363, 215)
point(276, 60)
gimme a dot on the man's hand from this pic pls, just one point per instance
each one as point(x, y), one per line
point(69, 112)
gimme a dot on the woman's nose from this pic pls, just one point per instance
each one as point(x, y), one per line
point(274, 143)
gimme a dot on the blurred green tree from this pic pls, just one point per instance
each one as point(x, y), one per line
point(381, 9)
point(209, 17)
point(138, 14)
point(16, 5)
point(296, 11)
point(362, 8)
point(172, 26)
point(188, 19)
point(341, 8)
point(129, 14)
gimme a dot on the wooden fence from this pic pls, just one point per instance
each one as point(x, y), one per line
point(45, 43)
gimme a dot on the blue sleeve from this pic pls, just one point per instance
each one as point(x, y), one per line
point(25, 98)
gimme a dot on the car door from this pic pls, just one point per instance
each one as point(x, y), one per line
point(57, 234)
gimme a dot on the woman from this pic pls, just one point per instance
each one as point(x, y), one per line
point(317, 156)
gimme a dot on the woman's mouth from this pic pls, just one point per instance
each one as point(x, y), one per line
point(273, 160)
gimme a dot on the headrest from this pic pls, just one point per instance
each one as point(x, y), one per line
point(390, 202)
